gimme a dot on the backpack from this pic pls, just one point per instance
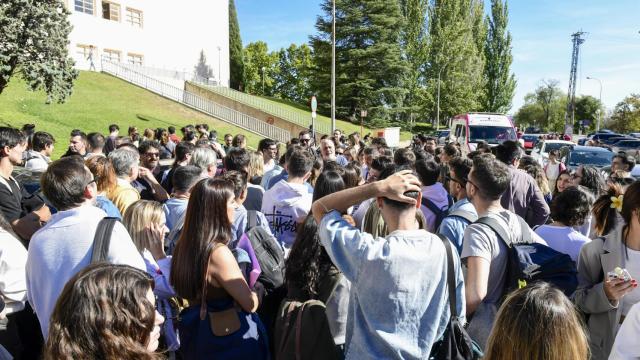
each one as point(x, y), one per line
point(467, 216)
point(302, 330)
point(102, 239)
point(455, 344)
point(529, 262)
point(440, 213)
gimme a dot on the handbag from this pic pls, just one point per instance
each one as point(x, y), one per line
point(455, 344)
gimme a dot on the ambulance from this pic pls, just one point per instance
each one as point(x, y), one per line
point(469, 129)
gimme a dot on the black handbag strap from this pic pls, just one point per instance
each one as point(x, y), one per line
point(252, 219)
point(451, 277)
point(493, 224)
point(102, 239)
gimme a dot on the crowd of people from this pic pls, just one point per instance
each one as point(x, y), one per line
point(166, 246)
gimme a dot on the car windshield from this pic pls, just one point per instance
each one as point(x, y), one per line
point(554, 146)
point(628, 144)
point(530, 137)
point(599, 158)
point(491, 134)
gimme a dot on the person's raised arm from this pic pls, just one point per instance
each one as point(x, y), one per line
point(159, 193)
point(394, 187)
point(223, 266)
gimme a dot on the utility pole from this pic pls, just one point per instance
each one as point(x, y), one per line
point(599, 108)
point(569, 115)
point(333, 70)
point(263, 69)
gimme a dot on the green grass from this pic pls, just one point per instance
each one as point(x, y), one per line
point(99, 100)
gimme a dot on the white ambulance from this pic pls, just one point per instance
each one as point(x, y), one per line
point(469, 129)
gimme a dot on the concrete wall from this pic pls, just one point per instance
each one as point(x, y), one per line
point(293, 128)
point(171, 37)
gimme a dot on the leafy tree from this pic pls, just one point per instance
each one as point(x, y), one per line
point(626, 114)
point(500, 83)
point(587, 109)
point(370, 68)
point(259, 66)
point(236, 61)
point(544, 107)
point(529, 114)
point(202, 70)
point(292, 80)
point(453, 53)
point(33, 44)
point(415, 44)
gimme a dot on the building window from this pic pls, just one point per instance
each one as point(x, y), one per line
point(134, 17)
point(134, 59)
point(110, 11)
point(84, 6)
point(111, 55)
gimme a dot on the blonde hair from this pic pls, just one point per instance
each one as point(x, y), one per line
point(256, 165)
point(537, 322)
point(137, 218)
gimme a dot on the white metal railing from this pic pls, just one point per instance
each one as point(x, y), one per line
point(130, 74)
point(267, 106)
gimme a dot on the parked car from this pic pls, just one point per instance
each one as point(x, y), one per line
point(588, 156)
point(530, 141)
point(469, 129)
point(635, 135)
point(602, 137)
point(614, 140)
point(629, 147)
point(442, 136)
point(541, 151)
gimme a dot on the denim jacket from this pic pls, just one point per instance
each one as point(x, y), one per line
point(398, 305)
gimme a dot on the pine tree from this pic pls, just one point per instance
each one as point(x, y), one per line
point(236, 60)
point(370, 69)
point(500, 82)
point(453, 54)
point(33, 44)
point(202, 69)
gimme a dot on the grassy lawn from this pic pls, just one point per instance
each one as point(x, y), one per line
point(99, 100)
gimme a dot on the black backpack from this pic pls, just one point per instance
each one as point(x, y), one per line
point(455, 344)
point(102, 239)
point(529, 262)
point(440, 213)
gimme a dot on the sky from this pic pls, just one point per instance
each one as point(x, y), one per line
point(541, 32)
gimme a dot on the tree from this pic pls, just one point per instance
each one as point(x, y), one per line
point(292, 80)
point(33, 44)
point(453, 54)
point(587, 108)
point(370, 68)
point(202, 70)
point(544, 107)
point(626, 114)
point(259, 66)
point(500, 83)
point(236, 60)
point(415, 44)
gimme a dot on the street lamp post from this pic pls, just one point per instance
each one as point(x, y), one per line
point(333, 70)
point(438, 101)
point(219, 67)
point(263, 69)
point(363, 114)
point(600, 107)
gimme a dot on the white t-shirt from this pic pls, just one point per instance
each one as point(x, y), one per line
point(564, 239)
point(627, 346)
point(62, 248)
point(633, 267)
point(13, 258)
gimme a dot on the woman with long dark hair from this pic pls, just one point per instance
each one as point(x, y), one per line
point(206, 274)
point(310, 272)
point(105, 312)
point(608, 299)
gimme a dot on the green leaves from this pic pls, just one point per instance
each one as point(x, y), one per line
point(236, 58)
point(34, 44)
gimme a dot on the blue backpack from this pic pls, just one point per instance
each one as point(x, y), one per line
point(440, 213)
point(529, 262)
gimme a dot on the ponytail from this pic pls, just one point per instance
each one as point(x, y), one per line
point(604, 215)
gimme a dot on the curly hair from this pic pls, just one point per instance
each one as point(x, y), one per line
point(571, 207)
point(103, 313)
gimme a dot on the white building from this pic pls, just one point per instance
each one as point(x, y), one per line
point(155, 33)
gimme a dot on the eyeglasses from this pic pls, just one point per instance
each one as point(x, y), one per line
point(152, 154)
point(94, 180)
point(471, 182)
point(449, 178)
point(575, 176)
point(305, 140)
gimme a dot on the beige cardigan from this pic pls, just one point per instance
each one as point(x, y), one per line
point(597, 258)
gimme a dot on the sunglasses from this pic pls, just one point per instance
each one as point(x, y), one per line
point(449, 178)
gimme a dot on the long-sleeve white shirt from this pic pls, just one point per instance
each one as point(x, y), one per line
point(13, 258)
